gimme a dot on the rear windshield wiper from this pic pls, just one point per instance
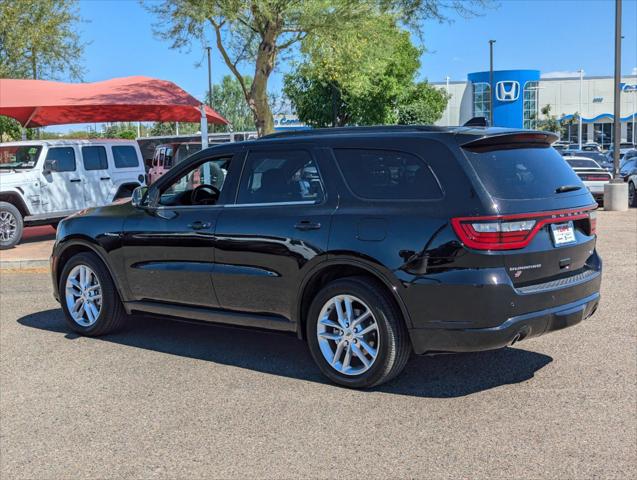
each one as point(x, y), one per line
point(567, 188)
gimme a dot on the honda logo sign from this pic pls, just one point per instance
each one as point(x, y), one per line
point(507, 91)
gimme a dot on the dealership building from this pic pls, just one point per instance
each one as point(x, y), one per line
point(520, 95)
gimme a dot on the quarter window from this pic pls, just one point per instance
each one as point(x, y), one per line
point(125, 156)
point(64, 157)
point(94, 158)
point(278, 177)
point(387, 175)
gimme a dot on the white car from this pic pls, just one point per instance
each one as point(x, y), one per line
point(43, 181)
point(592, 174)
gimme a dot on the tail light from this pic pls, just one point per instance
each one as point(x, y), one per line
point(595, 178)
point(510, 232)
point(592, 222)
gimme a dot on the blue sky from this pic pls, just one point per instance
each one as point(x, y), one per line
point(549, 35)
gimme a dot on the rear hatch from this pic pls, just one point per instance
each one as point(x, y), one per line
point(539, 216)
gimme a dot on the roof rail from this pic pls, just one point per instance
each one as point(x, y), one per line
point(369, 129)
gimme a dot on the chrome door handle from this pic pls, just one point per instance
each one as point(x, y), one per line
point(305, 225)
point(198, 225)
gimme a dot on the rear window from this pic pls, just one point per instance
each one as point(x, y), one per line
point(125, 156)
point(387, 175)
point(522, 173)
point(577, 163)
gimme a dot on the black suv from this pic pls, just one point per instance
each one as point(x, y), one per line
point(369, 243)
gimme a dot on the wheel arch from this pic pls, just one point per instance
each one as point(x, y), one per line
point(341, 268)
point(124, 187)
point(15, 199)
point(74, 246)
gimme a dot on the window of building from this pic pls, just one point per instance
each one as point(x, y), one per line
point(603, 134)
point(279, 177)
point(481, 100)
point(629, 131)
point(530, 112)
point(64, 158)
point(94, 158)
point(387, 175)
point(125, 156)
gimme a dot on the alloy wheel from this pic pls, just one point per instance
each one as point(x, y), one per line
point(83, 295)
point(8, 226)
point(348, 335)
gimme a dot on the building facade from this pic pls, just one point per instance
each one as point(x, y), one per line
point(519, 96)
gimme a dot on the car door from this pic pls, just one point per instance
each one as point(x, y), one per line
point(277, 229)
point(62, 186)
point(169, 251)
point(98, 183)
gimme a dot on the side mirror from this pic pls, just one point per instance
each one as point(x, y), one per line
point(145, 197)
point(138, 196)
point(50, 165)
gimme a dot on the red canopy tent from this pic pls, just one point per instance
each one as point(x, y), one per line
point(38, 103)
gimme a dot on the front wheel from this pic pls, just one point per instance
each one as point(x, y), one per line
point(11, 225)
point(632, 195)
point(89, 298)
point(356, 333)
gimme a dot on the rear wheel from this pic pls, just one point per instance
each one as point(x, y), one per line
point(89, 299)
point(632, 195)
point(356, 333)
point(11, 225)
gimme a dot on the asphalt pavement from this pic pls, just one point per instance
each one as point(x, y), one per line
point(180, 401)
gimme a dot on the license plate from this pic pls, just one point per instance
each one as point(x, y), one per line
point(563, 233)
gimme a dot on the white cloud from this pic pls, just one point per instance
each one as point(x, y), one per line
point(634, 72)
point(561, 74)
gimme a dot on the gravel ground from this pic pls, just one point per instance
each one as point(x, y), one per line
point(180, 401)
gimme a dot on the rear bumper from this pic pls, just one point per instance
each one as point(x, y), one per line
point(431, 340)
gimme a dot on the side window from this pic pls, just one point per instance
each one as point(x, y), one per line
point(64, 157)
point(168, 159)
point(161, 157)
point(212, 172)
point(277, 177)
point(125, 156)
point(387, 175)
point(94, 158)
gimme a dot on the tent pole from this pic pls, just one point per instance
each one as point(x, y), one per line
point(204, 127)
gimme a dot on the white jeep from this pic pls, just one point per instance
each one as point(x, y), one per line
point(43, 181)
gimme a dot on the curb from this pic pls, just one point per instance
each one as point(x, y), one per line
point(23, 264)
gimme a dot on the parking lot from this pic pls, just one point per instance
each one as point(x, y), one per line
point(174, 400)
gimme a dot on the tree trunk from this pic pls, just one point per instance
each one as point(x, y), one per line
point(258, 100)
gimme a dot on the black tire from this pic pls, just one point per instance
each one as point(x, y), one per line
point(11, 225)
point(112, 315)
point(632, 195)
point(395, 346)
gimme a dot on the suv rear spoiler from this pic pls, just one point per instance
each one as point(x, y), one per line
point(512, 140)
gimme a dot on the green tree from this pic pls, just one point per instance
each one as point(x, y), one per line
point(38, 40)
point(550, 122)
point(346, 79)
point(229, 101)
point(423, 104)
point(259, 32)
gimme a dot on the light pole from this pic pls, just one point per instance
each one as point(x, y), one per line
point(491, 42)
point(448, 104)
point(209, 83)
point(616, 191)
point(579, 126)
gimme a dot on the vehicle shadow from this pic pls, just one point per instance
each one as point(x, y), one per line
point(442, 376)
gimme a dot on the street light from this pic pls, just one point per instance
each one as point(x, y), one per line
point(449, 105)
point(491, 42)
point(616, 191)
point(579, 126)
